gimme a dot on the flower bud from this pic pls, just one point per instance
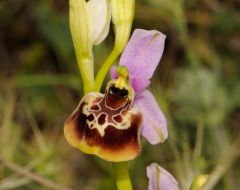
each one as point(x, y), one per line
point(122, 18)
point(81, 34)
point(100, 16)
point(199, 182)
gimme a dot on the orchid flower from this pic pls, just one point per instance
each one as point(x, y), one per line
point(161, 179)
point(106, 124)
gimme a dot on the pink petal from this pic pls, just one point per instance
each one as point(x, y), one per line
point(154, 123)
point(143, 53)
point(160, 179)
point(139, 84)
point(113, 72)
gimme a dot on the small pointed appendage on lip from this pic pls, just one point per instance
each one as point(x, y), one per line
point(113, 135)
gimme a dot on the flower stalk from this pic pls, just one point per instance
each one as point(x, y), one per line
point(122, 175)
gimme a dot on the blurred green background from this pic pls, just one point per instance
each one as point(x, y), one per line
point(197, 85)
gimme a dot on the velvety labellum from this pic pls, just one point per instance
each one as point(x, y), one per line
point(106, 125)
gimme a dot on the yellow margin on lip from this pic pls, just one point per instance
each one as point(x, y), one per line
point(87, 149)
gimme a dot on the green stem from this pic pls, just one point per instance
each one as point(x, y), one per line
point(86, 70)
point(122, 175)
point(105, 68)
point(199, 139)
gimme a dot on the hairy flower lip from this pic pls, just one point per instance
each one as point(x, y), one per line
point(115, 137)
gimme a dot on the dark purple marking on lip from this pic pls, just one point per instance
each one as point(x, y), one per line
point(95, 107)
point(102, 119)
point(118, 118)
point(90, 117)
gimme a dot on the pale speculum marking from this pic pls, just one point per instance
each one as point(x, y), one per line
point(100, 116)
